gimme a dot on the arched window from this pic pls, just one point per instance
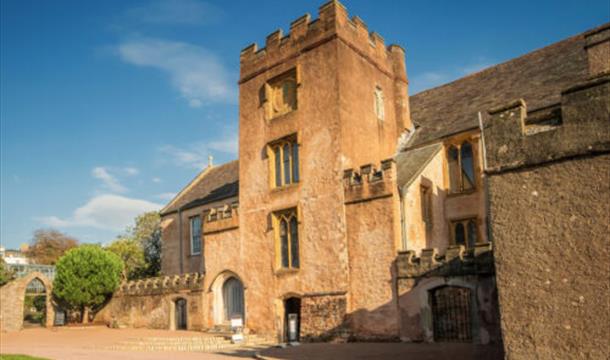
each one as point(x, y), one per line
point(459, 234)
point(454, 168)
point(465, 232)
point(284, 155)
point(461, 167)
point(287, 230)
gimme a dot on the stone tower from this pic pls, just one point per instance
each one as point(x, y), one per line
point(338, 93)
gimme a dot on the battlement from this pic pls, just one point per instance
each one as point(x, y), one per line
point(578, 125)
point(306, 34)
point(221, 218)
point(457, 261)
point(161, 285)
point(369, 182)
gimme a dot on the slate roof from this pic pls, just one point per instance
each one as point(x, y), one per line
point(537, 77)
point(410, 164)
point(212, 184)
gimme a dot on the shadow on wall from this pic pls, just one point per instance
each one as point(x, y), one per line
point(412, 301)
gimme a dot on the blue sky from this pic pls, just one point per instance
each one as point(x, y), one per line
point(108, 108)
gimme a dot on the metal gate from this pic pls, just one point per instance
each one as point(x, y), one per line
point(452, 314)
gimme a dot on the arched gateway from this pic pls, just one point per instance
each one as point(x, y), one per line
point(229, 301)
point(33, 286)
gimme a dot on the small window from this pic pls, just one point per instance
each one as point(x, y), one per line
point(460, 159)
point(379, 105)
point(195, 235)
point(465, 232)
point(426, 205)
point(287, 238)
point(284, 157)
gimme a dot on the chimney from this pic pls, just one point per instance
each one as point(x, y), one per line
point(210, 161)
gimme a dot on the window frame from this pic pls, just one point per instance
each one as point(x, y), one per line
point(465, 223)
point(425, 192)
point(456, 176)
point(277, 175)
point(191, 235)
point(287, 215)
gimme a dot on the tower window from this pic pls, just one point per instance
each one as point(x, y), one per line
point(284, 161)
point(426, 205)
point(379, 106)
point(286, 227)
point(460, 159)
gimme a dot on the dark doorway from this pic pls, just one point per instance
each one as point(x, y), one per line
point(181, 314)
point(35, 304)
point(452, 313)
point(292, 313)
point(233, 298)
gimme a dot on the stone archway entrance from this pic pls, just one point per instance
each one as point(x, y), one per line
point(13, 299)
point(180, 315)
point(228, 298)
point(35, 304)
point(292, 319)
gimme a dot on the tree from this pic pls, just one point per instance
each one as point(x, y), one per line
point(132, 254)
point(49, 245)
point(85, 277)
point(6, 275)
point(147, 233)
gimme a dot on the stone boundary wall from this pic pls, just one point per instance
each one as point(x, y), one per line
point(548, 199)
point(150, 303)
point(323, 316)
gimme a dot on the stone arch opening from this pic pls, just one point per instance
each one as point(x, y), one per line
point(35, 303)
point(292, 319)
point(228, 292)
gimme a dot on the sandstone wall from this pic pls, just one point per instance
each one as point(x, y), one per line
point(549, 194)
point(550, 227)
point(150, 303)
point(12, 297)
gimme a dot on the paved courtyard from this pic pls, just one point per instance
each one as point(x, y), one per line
point(97, 343)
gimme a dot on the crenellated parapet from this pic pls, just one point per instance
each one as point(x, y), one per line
point(222, 218)
point(457, 261)
point(161, 285)
point(333, 22)
point(515, 137)
point(369, 182)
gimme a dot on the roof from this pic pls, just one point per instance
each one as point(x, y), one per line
point(213, 184)
point(537, 77)
point(411, 163)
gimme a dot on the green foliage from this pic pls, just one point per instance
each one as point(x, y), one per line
point(132, 254)
point(19, 357)
point(49, 245)
point(86, 276)
point(6, 275)
point(147, 233)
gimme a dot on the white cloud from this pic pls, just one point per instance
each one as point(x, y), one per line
point(166, 196)
point(431, 79)
point(196, 73)
point(178, 12)
point(109, 181)
point(156, 180)
point(196, 155)
point(109, 212)
point(131, 171)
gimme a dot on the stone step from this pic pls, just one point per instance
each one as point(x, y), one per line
point(195, 344)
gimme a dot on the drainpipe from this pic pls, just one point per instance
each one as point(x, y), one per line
point(485, 181)
point(180, 239)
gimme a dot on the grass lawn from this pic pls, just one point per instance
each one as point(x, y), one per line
point(19, 357)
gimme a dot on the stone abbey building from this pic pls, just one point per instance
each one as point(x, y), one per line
point(359, 208)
